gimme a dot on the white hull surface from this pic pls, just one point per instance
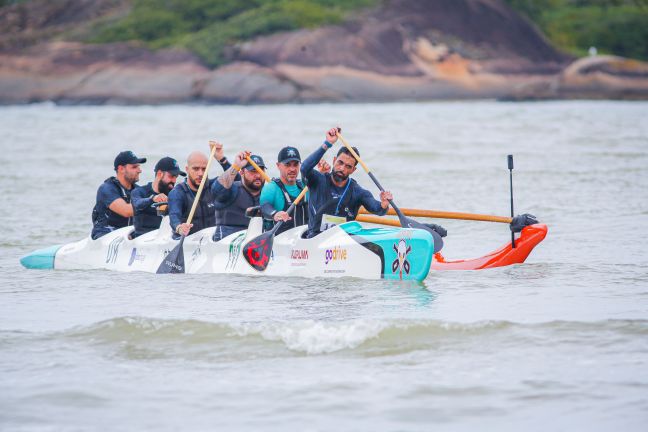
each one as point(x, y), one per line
point(348, 250)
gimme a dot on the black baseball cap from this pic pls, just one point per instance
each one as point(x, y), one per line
point(169, 165)
point(257, 160)
point(127, 157)
point(288, 154)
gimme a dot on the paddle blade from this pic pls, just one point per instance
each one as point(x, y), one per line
point(174, 261)
point(257, 251)
point(411, 223)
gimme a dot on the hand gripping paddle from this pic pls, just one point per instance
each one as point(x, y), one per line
point(404, 221)
point(258, 250)
point(174, 261)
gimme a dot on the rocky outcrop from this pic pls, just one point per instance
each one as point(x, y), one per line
point(597, 77)
point(404, 50)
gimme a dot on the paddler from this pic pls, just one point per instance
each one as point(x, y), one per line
point(278, 195)
point(113, 207)
point(146, 217)
point(233, 194)
point(334, 197)
point(182, 196)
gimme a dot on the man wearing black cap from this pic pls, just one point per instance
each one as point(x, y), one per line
point(146, 217)
point(233, 198)
point(113, 208)
point(279, 194)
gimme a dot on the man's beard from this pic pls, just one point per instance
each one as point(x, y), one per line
point(251, 186)
point(165, 187)
point(339, 177)
point(132, 179)
point(194, 183)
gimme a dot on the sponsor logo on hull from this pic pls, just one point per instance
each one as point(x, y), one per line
point(335, 254)
point(401, 263)
point(113, 250)
point(135, 257)
point(298, 257)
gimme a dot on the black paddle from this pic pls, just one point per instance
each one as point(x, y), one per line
point(258, 250)
point(174, 261)
point(404, 221)
point(510, 167)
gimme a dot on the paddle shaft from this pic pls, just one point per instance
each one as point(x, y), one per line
point(377, 220)
point(437, 214)
point(290, 210)
point(510, 167)
point(200, 188)
point(400, 214)
point(264, 174)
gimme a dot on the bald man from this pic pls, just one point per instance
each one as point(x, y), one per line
point(182, 196)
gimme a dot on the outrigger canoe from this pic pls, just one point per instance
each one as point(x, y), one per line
point(352, 249)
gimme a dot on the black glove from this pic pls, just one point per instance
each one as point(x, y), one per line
point(520, 221)
point(438, 228)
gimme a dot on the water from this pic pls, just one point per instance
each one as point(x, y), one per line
point(559, 343)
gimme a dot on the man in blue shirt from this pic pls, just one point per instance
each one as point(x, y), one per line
point(182, 196)
point(334, 197)
point(146, 217)
point(233, 197)
point(113, 207)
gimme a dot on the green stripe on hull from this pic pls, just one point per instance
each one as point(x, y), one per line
point(406, 254)
point(41, 259)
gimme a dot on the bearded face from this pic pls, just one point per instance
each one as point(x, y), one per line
point(252, 180)
point(167, 183)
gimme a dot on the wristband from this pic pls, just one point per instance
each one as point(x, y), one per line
point(222, 161)
point(236, 167)
point(327, 144)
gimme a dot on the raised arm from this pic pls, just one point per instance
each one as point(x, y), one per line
point(308, 171)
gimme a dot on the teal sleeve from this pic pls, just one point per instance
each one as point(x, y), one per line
point(271, 193)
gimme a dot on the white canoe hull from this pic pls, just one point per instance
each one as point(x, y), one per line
point(349, 250)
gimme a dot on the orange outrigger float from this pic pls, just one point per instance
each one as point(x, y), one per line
point(506, 255)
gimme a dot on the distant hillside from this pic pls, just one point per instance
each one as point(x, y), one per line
point(281, 51)
point(212, 29)
point(618, 27)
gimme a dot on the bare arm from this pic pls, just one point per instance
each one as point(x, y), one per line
point(121, 207)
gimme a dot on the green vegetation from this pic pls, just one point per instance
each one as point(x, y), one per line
point(617, 27)
point(207, 27)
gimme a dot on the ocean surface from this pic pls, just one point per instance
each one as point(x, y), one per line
point(558, 343)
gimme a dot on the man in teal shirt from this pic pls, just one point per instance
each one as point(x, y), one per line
point(279, 194)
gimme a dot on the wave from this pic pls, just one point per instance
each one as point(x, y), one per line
point(152, 337)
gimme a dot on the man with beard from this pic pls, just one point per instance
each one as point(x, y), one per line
point(335, 198)
point(113, 207)
point(182, 196)
point(233, 197)
point(277, 195)
point(146, 216)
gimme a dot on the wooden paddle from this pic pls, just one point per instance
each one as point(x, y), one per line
point(174, 261)
point(404, 221)
point(436, 214)
point(258, 250)
point(264, 174)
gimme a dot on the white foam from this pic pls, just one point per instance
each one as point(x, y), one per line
point(314, 337)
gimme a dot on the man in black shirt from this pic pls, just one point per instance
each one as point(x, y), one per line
point(146, 217)
point(113, 207)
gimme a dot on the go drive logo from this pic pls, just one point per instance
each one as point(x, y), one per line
point(335, 254)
